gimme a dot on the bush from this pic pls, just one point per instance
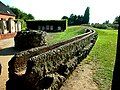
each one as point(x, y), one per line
point(105, 26)
point(23, 24)
point(100, 26)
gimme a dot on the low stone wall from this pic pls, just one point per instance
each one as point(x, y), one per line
point(19, 61)
point(7, 36)
point(48, 67)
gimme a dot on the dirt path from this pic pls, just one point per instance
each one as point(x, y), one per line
point(6, 53)
point(81, 79)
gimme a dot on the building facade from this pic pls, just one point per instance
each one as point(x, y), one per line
point(5, 12)
point(47, 25)
point(8, 24)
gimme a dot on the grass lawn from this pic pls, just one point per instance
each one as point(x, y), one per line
point(103, 55)
point(70, 32)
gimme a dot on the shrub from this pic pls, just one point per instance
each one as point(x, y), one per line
point(23, 24)
point(100, 26)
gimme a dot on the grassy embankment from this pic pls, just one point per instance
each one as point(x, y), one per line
point(70, 32)
point(102, 55)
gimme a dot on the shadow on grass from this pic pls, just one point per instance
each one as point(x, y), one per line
point(8, 51)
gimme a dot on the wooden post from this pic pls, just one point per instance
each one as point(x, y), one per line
point(116, 72)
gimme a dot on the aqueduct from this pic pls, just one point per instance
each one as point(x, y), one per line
point(47, 67)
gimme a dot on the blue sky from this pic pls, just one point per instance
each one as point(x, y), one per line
point(6, 2)
point(100, 10)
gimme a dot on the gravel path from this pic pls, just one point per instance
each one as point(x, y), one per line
point(6, 53)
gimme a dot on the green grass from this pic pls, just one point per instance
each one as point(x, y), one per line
point(70, 32)
point(103, 55)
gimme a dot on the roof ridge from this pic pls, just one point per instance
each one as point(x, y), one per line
point(4, 9)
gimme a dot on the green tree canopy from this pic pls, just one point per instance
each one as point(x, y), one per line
point(86, 16)
point(78, 19)
point(21, 15)
point(116, 20)
point(64, 17)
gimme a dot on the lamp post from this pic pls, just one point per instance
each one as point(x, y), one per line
point(116, 72)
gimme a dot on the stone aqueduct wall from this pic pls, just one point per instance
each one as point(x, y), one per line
point(48, 67)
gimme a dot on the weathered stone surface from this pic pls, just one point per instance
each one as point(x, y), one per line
point(0, 68)
point(48, 69)
point(29, 39)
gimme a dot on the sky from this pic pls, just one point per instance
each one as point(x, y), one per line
point(100, 10)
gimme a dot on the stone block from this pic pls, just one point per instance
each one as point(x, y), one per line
point(29, 39)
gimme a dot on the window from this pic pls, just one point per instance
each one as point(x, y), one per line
point(59, 28)
point(51, 27)
point(47, 27)
point(43, 28)
point(39, 27)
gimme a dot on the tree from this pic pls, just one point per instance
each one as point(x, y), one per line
point(116, 20)
point(16, 11)
point(79, 19)
point(106, 22)
point(30, 16)
point(64, 17)
point(115, 23)
point(20, 14)
point(86, 16)
point(71, 20)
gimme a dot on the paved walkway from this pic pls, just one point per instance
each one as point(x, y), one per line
point(6, 53)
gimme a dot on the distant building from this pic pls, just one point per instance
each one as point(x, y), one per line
point(5, 12)
point(47, 25)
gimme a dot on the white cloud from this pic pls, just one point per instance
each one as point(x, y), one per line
point(100, 10)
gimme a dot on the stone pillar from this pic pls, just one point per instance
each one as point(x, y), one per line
point(0, 68)
point(18, 26)
point(16, 30)
point(11, 25)
point(3, 27)
point(0, 27)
